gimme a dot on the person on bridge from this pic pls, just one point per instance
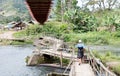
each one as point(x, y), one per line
point(80, 52)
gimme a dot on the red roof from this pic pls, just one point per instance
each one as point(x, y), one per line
point(39, 9)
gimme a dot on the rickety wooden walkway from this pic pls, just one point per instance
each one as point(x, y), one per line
point(53, 49)
point(81, 70)
point(55, 53)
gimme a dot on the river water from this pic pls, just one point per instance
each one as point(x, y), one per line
point(12, 62)
point(105, 48)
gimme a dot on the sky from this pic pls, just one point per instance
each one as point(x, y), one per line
point(79, 3)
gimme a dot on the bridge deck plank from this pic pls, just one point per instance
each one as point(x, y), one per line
point(81, 70)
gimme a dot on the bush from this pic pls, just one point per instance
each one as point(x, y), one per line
point(117, 34)
point(56, 29)
point(33, 30)
point(116, 69)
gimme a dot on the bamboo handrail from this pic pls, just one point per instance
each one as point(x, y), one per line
point(102, 67)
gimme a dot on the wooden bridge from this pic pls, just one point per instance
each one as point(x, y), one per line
point(92, 67)
point(81, 70)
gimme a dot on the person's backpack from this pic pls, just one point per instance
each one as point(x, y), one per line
point(80, 48)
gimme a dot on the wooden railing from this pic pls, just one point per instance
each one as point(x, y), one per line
point(98, 68)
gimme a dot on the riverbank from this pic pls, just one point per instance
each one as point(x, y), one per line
point(7, 38)
point(65, 32)
point(110, 60)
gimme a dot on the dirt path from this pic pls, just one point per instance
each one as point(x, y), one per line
point(7, 35)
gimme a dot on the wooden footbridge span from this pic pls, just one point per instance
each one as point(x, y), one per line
point(91, 67)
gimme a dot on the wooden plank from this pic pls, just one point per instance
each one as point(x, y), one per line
point(56, 53)
point(81, 70)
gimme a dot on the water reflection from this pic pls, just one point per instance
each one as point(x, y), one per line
point(12, 62)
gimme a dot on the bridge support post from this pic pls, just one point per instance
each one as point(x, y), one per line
point(61, 59)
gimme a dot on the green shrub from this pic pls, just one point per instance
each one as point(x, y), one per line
point(96, 54)
point(33, 30)
point(30, 30)
point(117, 34)
point(20, 34)
point(116, 69)
point(108, 54)
point(66, 38)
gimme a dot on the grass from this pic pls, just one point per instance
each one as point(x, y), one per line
point(109, 57)
point(103, 37)
point(21, 43)
point(116, 69)
point(9, 42)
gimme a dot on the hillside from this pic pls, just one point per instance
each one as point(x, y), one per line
point(12, 9)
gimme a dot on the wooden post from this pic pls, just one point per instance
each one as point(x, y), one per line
point(106, 73)
point(61, 59)
point(73, 74)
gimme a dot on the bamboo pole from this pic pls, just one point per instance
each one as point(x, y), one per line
point(61, 63)
point(73, 52)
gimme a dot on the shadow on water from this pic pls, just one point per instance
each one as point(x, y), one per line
point(12, 62)
point(56, 74)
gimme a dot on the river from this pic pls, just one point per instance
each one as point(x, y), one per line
point(12, 62)
point(105, 48)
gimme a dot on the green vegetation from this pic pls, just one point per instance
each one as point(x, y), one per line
point(116, 69)
point(106, 57)
point(85, 20)
point(66, 32)
point(13, 10)
point(56, 29)
point(12, 42)
point(109, 57)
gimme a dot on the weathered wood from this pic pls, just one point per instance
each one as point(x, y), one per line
point(61, 59)
point(51, 48)
point(81, 70)
point(55, 53)
point(103, 70)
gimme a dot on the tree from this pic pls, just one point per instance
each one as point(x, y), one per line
point(63, 6)
point(58, 10)
point(101, 4)
point(111, 3)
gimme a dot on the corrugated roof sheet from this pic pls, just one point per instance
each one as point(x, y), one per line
point(39, 9)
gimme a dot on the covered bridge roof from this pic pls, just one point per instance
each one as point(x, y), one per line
point(39, 9)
